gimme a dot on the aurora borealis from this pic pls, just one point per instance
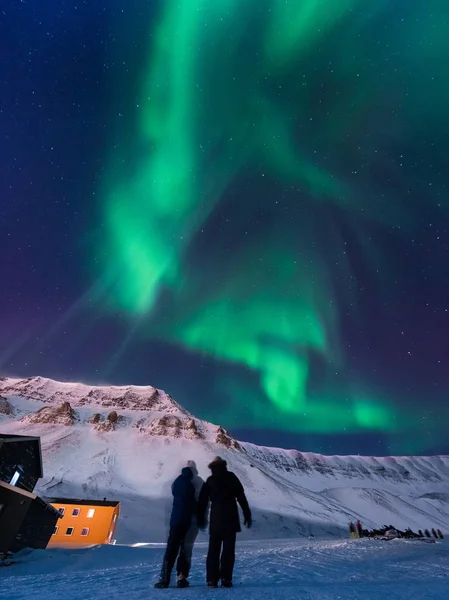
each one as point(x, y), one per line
point(242, 202)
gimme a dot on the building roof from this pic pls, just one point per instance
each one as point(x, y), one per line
point(13, 437)
point(82, 502)
point(6, 438)
point(17, 490)
point(25, 494)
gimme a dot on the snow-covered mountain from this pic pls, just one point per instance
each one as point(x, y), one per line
point(128, 443)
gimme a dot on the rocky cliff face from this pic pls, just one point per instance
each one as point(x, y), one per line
point(148, 410)
point(5, 407)
point(129, 397)
point(226, 440)
point(170, 426)
point(55, 415)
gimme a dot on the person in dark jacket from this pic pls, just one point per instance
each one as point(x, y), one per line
point(181, 516)
point(222, 489)
point(185, 553)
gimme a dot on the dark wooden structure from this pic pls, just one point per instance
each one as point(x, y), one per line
point(20, 461)
point(26, 521)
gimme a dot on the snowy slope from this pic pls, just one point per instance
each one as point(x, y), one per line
point(128, 443)
point(285, 570)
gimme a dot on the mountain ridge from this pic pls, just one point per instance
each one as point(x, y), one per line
point(130, 441)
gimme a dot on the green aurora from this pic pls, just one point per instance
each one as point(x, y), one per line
point(297, 98)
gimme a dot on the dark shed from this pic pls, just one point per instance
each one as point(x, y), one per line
point(26, 521)
point(20, 460)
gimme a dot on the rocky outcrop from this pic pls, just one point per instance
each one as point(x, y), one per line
point(226, 440)
point(96, 418)
point(113, 417)
point(5, 407)
point(319, 465)
point(127, 400)
point(168, 425)
point(141, 424)
point(55, 415)
point(171, 426)
point(111, 423)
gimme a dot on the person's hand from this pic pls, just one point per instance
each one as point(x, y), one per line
point(248, 522)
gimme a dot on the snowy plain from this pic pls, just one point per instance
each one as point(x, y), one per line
point(303, 569)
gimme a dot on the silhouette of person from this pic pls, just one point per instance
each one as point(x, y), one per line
point(185, 554)
point(181, 517)
point(222, 489)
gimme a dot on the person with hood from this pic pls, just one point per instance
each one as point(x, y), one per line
point(223, 490)
point(184, 505)
point(185, 555)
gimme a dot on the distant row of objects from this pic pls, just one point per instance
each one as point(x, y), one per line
point(388, 532)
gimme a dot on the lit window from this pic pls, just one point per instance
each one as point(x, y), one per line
point(90, 513)
point(62, 511)
point(15, 477)
point(55, 530)
point(85, 531)
point(76, 512)
point(69, 530)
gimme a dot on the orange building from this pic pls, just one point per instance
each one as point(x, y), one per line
point(84, 522)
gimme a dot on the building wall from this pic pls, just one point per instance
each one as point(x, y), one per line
point(26, 521)
point(13, 511)
point(98, 528)
point(24, 454)
point(37, 526)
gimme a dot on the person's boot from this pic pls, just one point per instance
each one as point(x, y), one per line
point(164, 577)
point(227, 583)
point(212, 584)
point(182, 582)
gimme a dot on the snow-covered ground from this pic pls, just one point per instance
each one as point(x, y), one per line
point(283, 570)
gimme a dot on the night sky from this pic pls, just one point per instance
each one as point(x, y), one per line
point(242, 202)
